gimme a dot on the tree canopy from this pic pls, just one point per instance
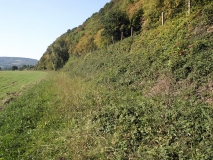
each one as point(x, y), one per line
point(13, 68)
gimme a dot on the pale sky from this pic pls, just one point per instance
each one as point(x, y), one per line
point(28, 27)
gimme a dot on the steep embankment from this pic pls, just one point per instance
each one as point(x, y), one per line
point(159, 99)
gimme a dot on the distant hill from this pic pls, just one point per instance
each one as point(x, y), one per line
point(8, 62)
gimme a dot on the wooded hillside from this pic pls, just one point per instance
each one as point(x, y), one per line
point(117, 20)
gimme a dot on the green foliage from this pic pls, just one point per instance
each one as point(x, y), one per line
point(140, 128)
point(136, 20)
point(207, 13)
point(114, 23)
point(108, 6)
point(13, 68)
point(201, 2)
point(26, 67)
point(59, 53)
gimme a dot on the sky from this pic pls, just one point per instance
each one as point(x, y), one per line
point(28, 27)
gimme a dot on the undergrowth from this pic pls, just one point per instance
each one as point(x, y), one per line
point(157, 103)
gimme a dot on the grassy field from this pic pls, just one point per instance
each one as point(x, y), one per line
point(15, 83)
point(43, 123)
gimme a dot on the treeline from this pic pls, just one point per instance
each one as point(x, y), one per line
point(23, 67)
point(117, 20)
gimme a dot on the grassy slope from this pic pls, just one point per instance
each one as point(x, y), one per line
point(159, 99)
point(147, 97)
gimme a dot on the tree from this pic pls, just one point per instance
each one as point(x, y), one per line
point(135, 13)
point(136, 20)
point(59, 53)
point(22, 67)
point(114, 23)
point(14, 68)
point(30, 67)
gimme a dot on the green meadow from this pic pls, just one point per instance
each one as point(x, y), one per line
point(44, 122)
point(14, 83)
